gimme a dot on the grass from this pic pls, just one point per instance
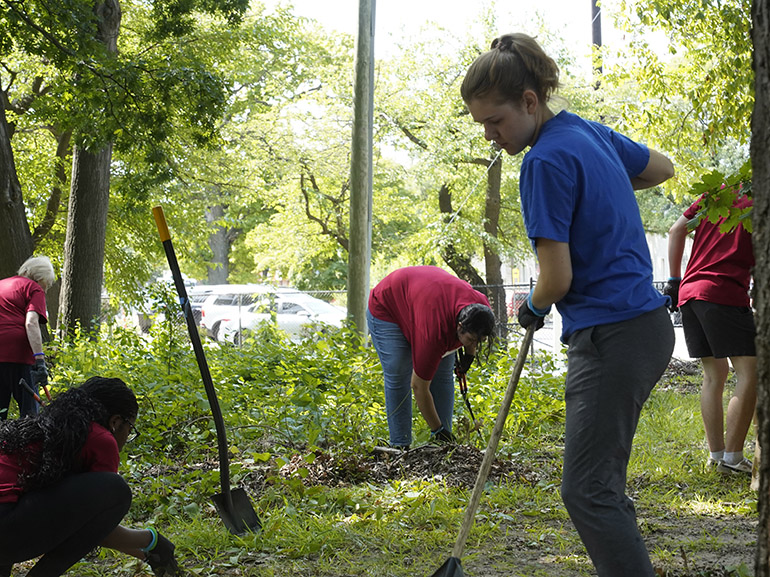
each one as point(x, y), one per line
point(690, 517)
point(408, 527)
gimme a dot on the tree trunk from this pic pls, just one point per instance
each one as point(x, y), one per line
point(52, 298)
point(15, 238)
point(219, 243)
point(460, 263)
point(83, 272)
point(81, 292)
point(492, 262)
point(760, 157)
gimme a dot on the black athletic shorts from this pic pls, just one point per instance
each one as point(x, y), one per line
point(719, 331)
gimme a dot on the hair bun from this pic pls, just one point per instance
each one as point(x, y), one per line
point(503, 43)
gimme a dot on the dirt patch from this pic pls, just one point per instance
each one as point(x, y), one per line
point(457, 465)
point(682, 545)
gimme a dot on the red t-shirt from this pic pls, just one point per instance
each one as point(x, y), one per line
point(18, 296)
point(719, 269)
point(424, 302)
point(99, 454)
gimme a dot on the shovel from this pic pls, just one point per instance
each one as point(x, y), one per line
point(233, 505)
point(463, 382)
point(452, 566)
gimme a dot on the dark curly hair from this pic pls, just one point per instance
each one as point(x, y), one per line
point(478, 319)
point(61, 429)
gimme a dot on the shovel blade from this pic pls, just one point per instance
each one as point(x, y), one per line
point(242, 517)
point(450, 568)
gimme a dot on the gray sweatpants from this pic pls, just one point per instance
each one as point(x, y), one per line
point(611, 371)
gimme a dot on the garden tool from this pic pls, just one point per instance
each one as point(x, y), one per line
point(452, 566)
point(233, 505)
point(32, 392)
point(463, 382)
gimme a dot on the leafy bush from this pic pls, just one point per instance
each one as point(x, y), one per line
point(279, 399)
point(537, 410)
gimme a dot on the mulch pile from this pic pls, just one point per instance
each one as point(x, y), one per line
point(456, 465)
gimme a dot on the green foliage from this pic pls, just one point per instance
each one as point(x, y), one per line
point(716, 206)
point(323, 391)
point(291, 405)
point(537, 405)
point(684, 81)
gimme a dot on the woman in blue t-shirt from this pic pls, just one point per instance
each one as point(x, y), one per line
point(577, 193)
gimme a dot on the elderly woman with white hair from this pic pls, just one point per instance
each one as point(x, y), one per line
point(22, 310)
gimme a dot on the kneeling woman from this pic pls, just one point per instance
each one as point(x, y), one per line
point(60, 492)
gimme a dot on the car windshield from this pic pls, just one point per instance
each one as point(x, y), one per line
point(261, 306)
point(316, 306)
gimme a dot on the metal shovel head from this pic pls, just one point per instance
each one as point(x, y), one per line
point(450, 568)
point(242, 517)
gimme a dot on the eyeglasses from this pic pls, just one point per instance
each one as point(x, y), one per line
point(133, 431)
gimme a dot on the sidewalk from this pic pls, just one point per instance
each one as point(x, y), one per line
point(547, 340)
point(680, 348)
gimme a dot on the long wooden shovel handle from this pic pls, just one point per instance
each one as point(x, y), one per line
point(494, 440)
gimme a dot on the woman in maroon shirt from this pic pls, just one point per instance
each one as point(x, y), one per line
point(22, 311)
point(60, 491)
point(418, 316)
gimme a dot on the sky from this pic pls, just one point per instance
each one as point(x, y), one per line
point(398, 19)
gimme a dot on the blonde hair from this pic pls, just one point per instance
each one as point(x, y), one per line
point(515, 63)
point(40, 270)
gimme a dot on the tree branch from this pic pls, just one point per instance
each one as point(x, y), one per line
point(54, 199)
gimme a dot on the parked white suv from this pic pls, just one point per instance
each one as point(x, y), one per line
point(295, 312)
point(223, 302)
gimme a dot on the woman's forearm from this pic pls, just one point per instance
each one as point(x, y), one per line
point(424, 400)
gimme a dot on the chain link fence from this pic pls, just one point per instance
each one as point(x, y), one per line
point(227, 313)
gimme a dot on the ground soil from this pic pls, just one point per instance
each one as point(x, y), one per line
point(706, 545)
point(693, 537)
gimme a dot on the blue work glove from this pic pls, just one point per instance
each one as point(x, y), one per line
point(530, 315)
point(39, 373)
point(672, 290)
point(442, 436)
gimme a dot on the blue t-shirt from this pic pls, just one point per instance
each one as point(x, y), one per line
point(576, 188)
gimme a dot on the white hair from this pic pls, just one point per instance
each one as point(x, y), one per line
point(40, 270)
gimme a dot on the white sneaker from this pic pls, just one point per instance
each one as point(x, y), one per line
point(743, 466)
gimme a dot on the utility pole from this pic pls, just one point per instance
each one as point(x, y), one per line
point(360, 248)
point(596, 40)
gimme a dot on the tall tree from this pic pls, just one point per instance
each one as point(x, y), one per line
point(477, 199)
point(97, 96)
point(760, 156)
point(692, 96)
point(15, 237)
point(81, 293)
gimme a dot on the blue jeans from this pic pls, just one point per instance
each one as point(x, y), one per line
point(395, 355)
point(611, 371)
